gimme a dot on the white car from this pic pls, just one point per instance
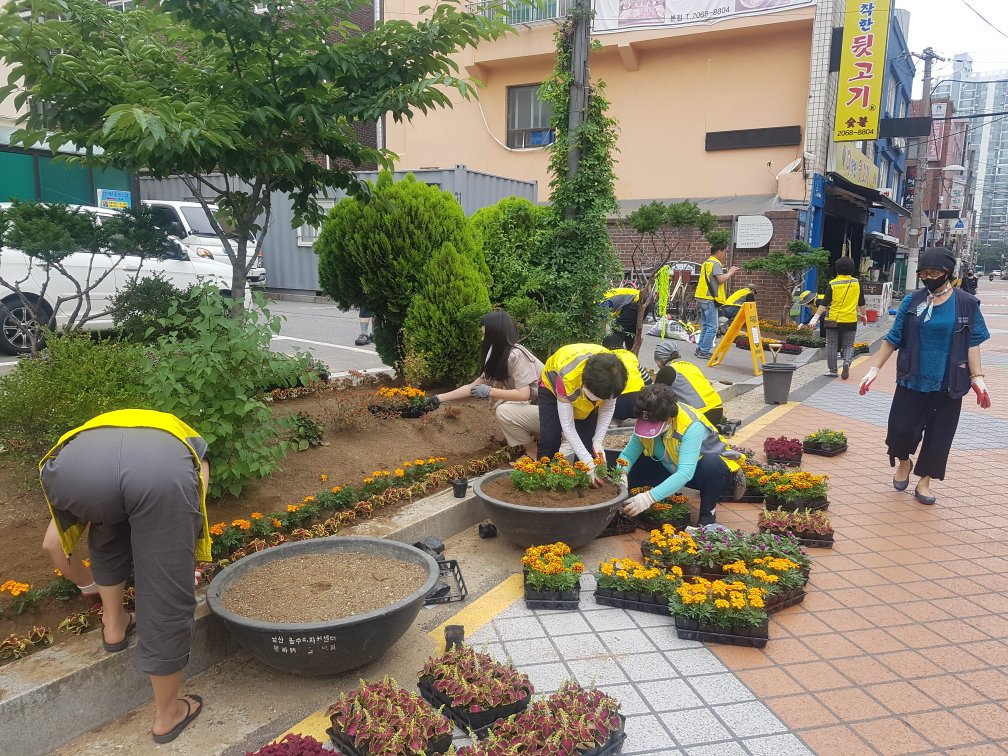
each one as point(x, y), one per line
point(188, 221)
point(17, 321)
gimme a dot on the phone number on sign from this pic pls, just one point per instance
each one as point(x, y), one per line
point(700, 15)
point(856, 132)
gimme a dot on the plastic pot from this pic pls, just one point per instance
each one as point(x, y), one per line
point(529, 526)
point(318, 649)
point(777, 381)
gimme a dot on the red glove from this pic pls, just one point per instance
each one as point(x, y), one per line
point(980, 388)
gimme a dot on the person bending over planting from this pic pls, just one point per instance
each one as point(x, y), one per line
point(581, 389)
point(674, 446)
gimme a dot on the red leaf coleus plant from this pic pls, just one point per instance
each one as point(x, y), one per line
point(475, 681)
point(571, 720)
point(782, 447)
point(388, 721)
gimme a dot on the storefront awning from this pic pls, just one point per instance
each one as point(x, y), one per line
point(873, 196)
point(881, 238)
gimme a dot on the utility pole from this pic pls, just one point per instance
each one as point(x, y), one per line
point(928, 56)
point(580, 44)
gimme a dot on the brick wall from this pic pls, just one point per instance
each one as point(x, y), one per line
point(690, 245)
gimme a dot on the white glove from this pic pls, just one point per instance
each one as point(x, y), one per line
point(868, 380)
point(637, 504)
point(598, 449)
point(593, 479)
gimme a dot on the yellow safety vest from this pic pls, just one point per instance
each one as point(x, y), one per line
point(737, 297)
point(846, 292)
point(692, 388)
point(703, 287)
point(567, 365)
point(714, 443)
point(617, 299)
point(132, 418)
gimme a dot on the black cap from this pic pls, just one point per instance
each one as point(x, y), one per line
point(937, 258)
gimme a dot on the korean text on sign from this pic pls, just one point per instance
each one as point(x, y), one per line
point(862, 70)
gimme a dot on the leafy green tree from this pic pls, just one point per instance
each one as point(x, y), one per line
point(661, 242)
point(372, 254)
point(513, 232)
point(442, 323)
point(789, 267)
point(580, 260)
point(238, 104)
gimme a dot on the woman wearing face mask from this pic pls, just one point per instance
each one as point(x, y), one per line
point(938, 331)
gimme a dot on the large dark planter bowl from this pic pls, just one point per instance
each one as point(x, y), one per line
point(532, 526)
point(317, 649)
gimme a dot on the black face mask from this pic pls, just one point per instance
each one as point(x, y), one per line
point(933, 284)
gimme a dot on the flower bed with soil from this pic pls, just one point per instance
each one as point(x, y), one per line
point(355, 445)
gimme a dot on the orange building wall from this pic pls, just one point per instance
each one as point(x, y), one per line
point(751, 73)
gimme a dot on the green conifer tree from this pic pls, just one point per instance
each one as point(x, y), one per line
point(442, 324)
point(372, 254)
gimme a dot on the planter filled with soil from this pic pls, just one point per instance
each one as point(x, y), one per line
point(325, 605)
point(529, 518)
point(755, 637)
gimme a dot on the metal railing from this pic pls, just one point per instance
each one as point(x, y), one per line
point(524, 13)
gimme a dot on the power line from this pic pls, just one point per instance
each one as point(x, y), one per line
point(982, 18)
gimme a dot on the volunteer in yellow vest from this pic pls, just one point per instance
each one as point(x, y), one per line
point(137, 480)
point(710, 292)
point(688, 381)
point(844, 305)
point(673, 447)
point(624, 304)
point(578, 392)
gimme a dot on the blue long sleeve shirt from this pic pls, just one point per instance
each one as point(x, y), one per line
point(689, 455)
point(935, 341)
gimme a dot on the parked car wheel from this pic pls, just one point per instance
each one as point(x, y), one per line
point(19, 324)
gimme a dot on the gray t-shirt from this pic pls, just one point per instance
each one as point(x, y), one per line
point(524, 369)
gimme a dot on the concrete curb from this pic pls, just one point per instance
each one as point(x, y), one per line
point(52, 697)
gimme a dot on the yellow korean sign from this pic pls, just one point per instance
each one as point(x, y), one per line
point(862, 69)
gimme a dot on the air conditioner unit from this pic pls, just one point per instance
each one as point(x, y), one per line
point(885, 191)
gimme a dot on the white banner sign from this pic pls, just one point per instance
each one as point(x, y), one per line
point(624, 15)
point(753, 231)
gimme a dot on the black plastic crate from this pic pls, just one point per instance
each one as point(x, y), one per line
point(451, 575)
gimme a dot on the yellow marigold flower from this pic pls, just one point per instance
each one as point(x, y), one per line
point(721, 604)
point(399, 472)
point(292, 508)
point(368, 480)
point(323, 477)
point(335, 489)
point(256, 515)
point(57, 573)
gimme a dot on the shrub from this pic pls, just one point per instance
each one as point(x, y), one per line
point(211, 381)
point(512, 231)
point(139, 306)
point(72, 380)
point(442, 322)
point(306, 431)
point(373, 254)
point(348, 412)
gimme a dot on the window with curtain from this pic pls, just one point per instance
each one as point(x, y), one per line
point(528, 118)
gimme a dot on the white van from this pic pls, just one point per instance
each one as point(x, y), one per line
point(17, 321)
point(188, 221)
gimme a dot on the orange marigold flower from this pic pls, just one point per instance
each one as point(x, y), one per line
point(277, 524)
point(292, 508)
point(323, 477)
point(256, 515)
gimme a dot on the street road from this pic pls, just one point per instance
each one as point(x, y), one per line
point(322, 329)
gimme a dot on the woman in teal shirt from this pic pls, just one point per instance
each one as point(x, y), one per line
point(674, 446)
point(938, 332)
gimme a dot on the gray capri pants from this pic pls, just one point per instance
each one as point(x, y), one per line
point(139, 490)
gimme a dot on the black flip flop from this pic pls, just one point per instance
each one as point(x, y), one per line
point(175, 731)
point(124, 643)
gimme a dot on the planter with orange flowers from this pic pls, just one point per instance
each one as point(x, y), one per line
point(552, 576)
point(549, 500)
point(720, 611)
point(400, 401)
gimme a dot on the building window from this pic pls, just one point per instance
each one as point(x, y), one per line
point(121, 5)
point(528, 118)
point(307, 234)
